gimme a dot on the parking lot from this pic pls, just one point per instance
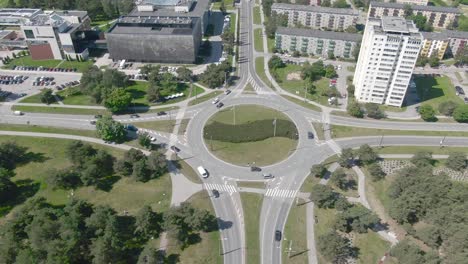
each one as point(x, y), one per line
point(26, 87)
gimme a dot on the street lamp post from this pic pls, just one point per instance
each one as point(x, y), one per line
point(221, 245)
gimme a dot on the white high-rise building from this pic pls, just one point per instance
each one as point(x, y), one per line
point(389, 50)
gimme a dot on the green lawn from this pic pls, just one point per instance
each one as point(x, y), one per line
point(349, 131)
point(258, 40)
point(302, 103)
point(59, 110)
point(438, 2)
point(249, 89)
point(318, 130)
point(245, 114)
point(76, 98)
point(392, 108)
point(260, 69)
point(33, 99)
point(162, 125)
point(297, 85)
point(208, 249)
point(252, 205)
point(46, 129)
point(435, 90)
point(251, 184)
point(295, 230)
point(53, 153)
point(233, 16)
point(271, 44)
point(28, 61)
point(256, 15)
point(227, 4)
point(325, 219)
point(187, 171)
point(204, 98)
point(265, 152)
point(371, 247)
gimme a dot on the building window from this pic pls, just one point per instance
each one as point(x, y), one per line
point(29, 34)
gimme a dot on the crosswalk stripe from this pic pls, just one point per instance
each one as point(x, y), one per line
point(221, 187)
point(281, 193)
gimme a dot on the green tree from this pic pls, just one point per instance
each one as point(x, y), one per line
point(141, 172)
point(422, 159)
point(157, 163)
point(8, 189)
point(11, 154)
point(325, 3)
point(374, 111)
point(110, 130)
point(47, 96)
point(427, 112)
point(62, 179)
point(356, 218)
point(366, 154)
point(222, 7)
point(356, 51)
point(376, 172)
point(330, 72)
point(447, 107)
point(408, 10)
point(154, 93)
point(419, 20)
point(144, 140)
point(118, 100)
point(334, 247)
point(354, 109)
point(275, 62)
point(318, 170)
point(323, 196)
point(457, 161)
point(350, 89)
point(346, 158)
point(150, 255)
point(351, 29)
point(339, 178)
point(340, 4)
point(184, 74)
point(148, 223)
point(460, 114)
point(434, 59)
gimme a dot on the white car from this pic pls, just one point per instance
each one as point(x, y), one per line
point(153, 139)
point(215, 101)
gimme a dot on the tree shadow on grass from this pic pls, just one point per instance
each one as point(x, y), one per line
point(106, 184)
point(25, 189)
point(193, 239)
point(172, 258)
point(33, 157)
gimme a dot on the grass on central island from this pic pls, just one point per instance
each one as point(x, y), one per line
point(262, 152)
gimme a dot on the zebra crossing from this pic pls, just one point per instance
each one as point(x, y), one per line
point(281, 193)
point(254, 84)
point(221, 187)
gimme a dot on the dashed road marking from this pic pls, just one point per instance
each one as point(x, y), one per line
point(281, 193)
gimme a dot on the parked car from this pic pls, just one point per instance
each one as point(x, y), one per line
point(215, 193)
point(134, 116)
point(219, 105)
point(130, 127)
point(310, 135)
point(161, 113)
point(459, 90)
point(98, 116)
point(215, 101)
point(268, 176)
point(227, 92)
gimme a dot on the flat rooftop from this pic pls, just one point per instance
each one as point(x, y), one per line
point(316, 9)
point(395, 24)
point(198, 9)
point(19, 12)
point(442, 9)
point(154, 25)
point(76, 13)
point(119, 29)
point(319, 34)
point(162, 2)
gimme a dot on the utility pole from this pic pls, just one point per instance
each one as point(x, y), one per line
point(290, 248)
point(274, 128)
point(381, 140)
point(442, 142)
point(234, 109)
point(305, 94)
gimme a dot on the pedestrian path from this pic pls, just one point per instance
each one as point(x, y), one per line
point(221, 187)
point(281, 193)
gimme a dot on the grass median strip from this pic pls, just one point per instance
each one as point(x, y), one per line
point(302, 103)
point(295, 238)
point(204, 98)
point(258, 40)
point(59, 110)
point(252, 205)
point(318, 127)
point(349, 131)
point(256, 15)
point(47, 129)
point(260, 69)
point(414, 149)
point(162, 125)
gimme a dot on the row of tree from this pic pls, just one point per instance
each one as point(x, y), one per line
point(359, 110)
point(215, 75)
point(11, 155)
point(82, 233)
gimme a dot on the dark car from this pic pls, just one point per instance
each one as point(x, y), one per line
point(219, 105)
point(310, 135)
point(278, 235)
point(253, 168)
point(134, 116)
point(161, 113)
point(175, 149)
point(466, 100)
point(227, 92)
point(459, 90)
point(130, 127)
point(215, 193)
point(92, 122)
point(98, 116)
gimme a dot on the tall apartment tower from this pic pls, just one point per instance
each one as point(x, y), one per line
point(389, 50)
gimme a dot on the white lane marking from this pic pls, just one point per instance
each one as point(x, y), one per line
point(281, 193)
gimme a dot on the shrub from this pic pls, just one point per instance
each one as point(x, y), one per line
point(249, 132)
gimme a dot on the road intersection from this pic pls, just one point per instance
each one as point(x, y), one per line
point(289, 174)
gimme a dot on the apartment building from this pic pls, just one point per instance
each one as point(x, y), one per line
point(458, 41)
point(434, 42)
point(57, 34)
point(316, 42)
point(389, 50)
point(437, 16)
point(317, 17)
point(413, 2)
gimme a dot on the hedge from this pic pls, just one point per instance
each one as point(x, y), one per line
point(251, 131)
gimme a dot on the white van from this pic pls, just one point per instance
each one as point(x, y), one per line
point(203, 172)
point(18, 113)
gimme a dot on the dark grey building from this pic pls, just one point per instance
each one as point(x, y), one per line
point(153, 39)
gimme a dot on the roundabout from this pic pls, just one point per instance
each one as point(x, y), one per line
point(250, 135)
